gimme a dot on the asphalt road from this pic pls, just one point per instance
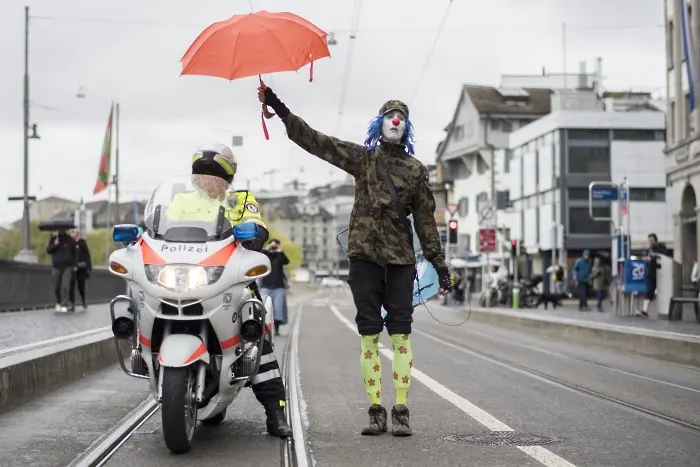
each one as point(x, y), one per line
point(480, 396)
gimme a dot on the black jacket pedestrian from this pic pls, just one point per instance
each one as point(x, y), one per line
point(83, 259)
point(63, 254)
point(276, 278)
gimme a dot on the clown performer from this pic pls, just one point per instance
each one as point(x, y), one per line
point(382, 260)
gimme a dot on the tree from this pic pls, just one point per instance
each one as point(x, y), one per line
point(11, 243)
point(97, 244)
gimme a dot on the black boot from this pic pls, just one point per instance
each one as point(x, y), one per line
point(399, 421)
point(377, 421)
point(277, 423)
point(277, 328)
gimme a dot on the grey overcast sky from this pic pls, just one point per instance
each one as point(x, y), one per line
point(130, 52)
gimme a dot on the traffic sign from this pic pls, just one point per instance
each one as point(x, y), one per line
point(624, 199)
point(487, 240)
point(452, 209)
point(486, 212)
point(603, 193)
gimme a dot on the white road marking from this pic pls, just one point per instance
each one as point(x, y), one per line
point(540, 454)
point(295, 397)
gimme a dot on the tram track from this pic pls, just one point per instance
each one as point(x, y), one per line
point(293, 450)
point(581, 390)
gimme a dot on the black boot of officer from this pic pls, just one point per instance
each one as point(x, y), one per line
point(269, 390)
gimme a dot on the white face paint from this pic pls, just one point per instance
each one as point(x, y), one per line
point(393, 126)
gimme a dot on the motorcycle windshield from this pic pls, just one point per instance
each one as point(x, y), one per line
point(190, 209)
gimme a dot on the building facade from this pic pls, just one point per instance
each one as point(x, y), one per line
point(469, 160)
point(553, 162)
point(682, 145)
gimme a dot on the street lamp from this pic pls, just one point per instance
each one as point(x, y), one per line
point(26, 255)
point(332, 40)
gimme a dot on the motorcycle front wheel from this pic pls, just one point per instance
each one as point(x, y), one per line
point(179, 408)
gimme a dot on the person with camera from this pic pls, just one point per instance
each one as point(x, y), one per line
point(274, 284)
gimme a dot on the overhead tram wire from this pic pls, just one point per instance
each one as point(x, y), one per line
point(430, 53)
point(476, 26)
point(348, 64)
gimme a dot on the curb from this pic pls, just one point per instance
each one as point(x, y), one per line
point(27, 375)
point(662, 345)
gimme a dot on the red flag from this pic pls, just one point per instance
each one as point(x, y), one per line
point(105, 158)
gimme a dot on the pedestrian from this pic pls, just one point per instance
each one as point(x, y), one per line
point(599, 276)
point(82, 270)
point(61, 247)
point(651, 257)
point(582, 277)
point(559, 283)
point(274, 285)
point(390, 184)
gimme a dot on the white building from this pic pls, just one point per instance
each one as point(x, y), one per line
point(682, 145)
point(555, 158)
point(482, 120)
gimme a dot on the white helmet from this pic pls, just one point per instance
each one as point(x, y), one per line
point(215, 159)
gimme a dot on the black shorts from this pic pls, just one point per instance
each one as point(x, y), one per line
point(650, 292)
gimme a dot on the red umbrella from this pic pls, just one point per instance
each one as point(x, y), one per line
point(254, 44)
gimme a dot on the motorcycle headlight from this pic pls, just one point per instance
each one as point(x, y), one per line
point(183, 277)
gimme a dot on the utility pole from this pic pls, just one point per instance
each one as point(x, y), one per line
point(26, 255)
point(116, 169)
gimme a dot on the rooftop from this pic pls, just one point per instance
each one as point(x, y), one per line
point(525, 101)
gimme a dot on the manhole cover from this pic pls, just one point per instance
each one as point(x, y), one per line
point(504, 438)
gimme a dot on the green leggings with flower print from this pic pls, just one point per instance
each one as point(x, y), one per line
point(372, 366)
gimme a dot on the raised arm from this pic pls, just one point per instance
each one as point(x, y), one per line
point(342, 154)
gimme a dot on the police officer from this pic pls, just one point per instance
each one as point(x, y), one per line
point(218, 161)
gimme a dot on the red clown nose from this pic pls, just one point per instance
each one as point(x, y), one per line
point(396, 121)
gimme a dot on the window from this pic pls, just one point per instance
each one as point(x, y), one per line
point(580, 221)
point(638, 135)
point(495, 124)
point(507, 126)
point(669, 45)
point(588, 134)
point(464, 207)
point(464, 241)
point(578, 194)
point(583, 160)
point(458, 133)
point(507, 155)
point(671, 123)
point(648, 194)
point(481, 197)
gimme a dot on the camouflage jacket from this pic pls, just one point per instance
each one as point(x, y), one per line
point(376, 232)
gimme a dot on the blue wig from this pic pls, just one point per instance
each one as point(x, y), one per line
point(374, 133)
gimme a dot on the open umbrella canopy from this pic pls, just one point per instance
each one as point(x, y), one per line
point(255, 44)
point(57, 224)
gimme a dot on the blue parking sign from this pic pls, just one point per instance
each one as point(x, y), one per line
point(635, 276)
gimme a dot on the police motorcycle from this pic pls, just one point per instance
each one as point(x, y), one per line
point(195, 320)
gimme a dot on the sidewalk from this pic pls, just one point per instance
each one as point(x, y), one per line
point(689, 325)
point(673, 341)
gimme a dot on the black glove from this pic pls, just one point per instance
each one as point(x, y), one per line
point(253, 245)
point(277, 105)
point(444, 279)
